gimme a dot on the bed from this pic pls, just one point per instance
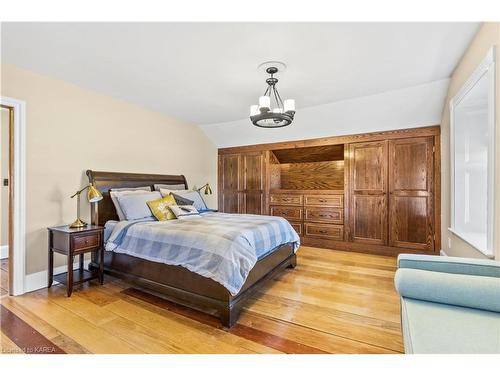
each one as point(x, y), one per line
point(174, 282)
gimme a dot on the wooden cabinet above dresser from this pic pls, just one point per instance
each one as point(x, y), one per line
point(376, 192)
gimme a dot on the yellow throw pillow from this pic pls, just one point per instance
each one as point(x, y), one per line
point(160, 210)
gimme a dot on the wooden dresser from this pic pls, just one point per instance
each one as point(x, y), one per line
point(375, 192)
point(317, 214)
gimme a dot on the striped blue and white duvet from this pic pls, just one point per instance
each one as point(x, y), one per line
point(223, 247)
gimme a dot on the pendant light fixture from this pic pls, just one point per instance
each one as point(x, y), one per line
point(272, 111)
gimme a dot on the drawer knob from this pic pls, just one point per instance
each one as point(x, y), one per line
point(323, 231)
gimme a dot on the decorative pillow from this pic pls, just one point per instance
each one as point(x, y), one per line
point(192, 195)
point(160, 210)
point(113, 193)
point(180, 200)
point(183, 211)
point(134, 206)
point(169, 187)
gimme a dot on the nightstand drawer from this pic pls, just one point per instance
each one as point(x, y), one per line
point(86, 242)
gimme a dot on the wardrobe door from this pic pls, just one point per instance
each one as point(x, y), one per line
point(253, 183)
point(411, 181)
point(229, 183)
point(368, 192)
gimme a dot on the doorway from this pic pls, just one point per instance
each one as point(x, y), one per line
point(6, 245)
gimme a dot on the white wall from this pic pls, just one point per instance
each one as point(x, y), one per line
point(70, 130)
point(406, 108)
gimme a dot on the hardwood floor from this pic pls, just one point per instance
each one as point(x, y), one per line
point(332, 302)
point(4, 277)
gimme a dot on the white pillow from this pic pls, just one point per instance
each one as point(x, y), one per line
point(114, 193)
point(192, 195)
point(134, 206)
point(183, 211)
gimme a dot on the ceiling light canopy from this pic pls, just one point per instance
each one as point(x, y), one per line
point(272, 111)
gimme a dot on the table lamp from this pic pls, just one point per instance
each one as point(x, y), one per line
point(208, 189)
point(93, 195)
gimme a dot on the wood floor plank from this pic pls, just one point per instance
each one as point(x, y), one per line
point(360, 328)
point(189, 335)
point(7, 346)
point(24, 336)
point(90, 336)
point(352, 301)
point(332, 302)
point(4, 280)
point(4, 264)
point(310, 337)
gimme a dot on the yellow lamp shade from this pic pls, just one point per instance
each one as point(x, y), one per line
point(93, 195)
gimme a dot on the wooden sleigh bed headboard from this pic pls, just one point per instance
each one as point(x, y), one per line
point(104, 210)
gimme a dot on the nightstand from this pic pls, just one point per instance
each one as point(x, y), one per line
point(72, 242)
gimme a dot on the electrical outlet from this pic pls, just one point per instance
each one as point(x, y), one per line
point(449, 243)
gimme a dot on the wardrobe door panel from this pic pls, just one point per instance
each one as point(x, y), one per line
point(411, 182)
point(410, 222)
point(369, 219)
point(369, 167)
point(253, 203)
point(231, 172)
point(253, 183)
point(229, 183)
point(231, 202)
point(368, 192)
point(253, 165)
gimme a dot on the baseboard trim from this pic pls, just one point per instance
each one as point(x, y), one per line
point(4, 252)
point(442, 253)
point(38, 280)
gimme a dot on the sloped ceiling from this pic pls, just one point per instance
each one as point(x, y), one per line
point(205, 73)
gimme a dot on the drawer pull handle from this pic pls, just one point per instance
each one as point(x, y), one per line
point(323, 232)
point(322, 200)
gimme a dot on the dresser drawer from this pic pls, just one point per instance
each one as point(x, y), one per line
point(333, 232)
point(327, 215)
point(85, 242)
point(324, 200)
point(289, 213)
point(286, 199)
point(297, 227)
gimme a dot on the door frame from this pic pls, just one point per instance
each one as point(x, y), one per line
point(17, 196)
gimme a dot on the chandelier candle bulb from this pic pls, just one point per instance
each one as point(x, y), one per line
point(265, 102)
point(289, 105)
point(254, 109)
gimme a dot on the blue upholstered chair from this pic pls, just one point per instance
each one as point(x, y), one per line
point(448, 304)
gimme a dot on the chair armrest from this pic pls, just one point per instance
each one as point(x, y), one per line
point(478, 292)
point(463, 266)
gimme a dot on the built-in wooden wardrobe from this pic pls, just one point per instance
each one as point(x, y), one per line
point(376, 192)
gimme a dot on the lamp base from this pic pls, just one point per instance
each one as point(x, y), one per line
point(78, 224)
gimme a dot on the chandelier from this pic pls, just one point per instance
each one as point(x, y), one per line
point(272, 111)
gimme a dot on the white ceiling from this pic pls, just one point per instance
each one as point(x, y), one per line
point(206, 72)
